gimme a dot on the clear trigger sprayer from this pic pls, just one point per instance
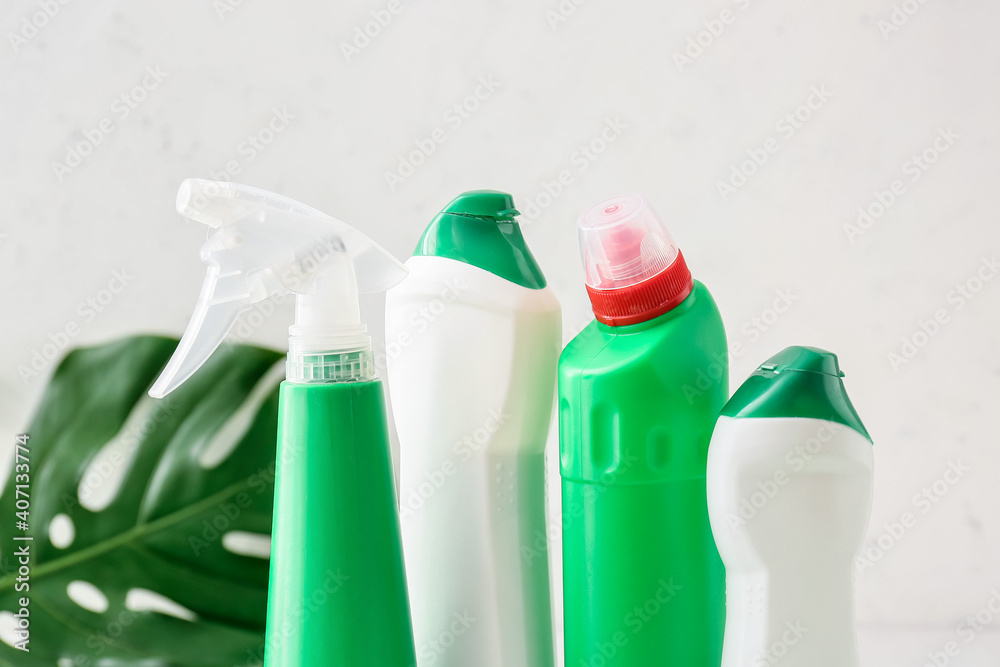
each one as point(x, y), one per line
point(335, 530)
point(263, 245)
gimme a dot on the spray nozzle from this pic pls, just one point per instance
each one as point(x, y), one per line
point(264, 245)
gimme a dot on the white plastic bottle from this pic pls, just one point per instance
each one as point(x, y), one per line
point(472, 342)
point(789, 496)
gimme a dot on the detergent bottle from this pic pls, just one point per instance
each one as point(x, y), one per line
point(640, 389)
point(789, 494)
point(473, 337)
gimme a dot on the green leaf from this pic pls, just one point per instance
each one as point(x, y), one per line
point(163, 531)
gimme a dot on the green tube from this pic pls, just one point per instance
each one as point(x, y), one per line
point(337, 593)
point(643, 581)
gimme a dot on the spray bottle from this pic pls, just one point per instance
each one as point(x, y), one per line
point(473, 337)
point(789, 494)
point(640, 389)
point(335, 519)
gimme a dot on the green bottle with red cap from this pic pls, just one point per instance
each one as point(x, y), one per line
point(640, 389)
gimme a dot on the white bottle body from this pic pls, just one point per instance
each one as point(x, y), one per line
point(789, 500)
point(471, 373)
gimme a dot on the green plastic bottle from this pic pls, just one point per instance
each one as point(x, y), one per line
point(337, 586)
point(640, 389)
point(337, 592)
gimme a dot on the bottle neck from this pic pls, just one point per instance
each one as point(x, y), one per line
point(308, 364)
point(328, 342)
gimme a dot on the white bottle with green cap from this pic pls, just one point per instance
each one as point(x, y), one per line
point(473, 339)
point(789, 496)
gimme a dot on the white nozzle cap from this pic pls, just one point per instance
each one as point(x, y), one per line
point(265, 245)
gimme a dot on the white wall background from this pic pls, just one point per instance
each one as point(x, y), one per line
point(896, 72)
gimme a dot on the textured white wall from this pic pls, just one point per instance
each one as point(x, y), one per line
point(886, 79)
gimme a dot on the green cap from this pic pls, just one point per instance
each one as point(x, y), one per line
point(491, 204)
point(797, 382)
point(479, 228)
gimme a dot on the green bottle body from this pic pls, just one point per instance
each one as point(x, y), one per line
point(337, 592)
point(643, 583)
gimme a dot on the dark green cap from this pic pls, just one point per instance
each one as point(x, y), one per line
point(479, 228)
point(797, 382)
point(491, 204)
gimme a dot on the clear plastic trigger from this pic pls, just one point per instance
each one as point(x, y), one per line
point(263, 245)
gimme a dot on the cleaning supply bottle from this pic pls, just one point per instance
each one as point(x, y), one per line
point(473, 338)
point(337, 591)
point(640, 389)
point(789, 494)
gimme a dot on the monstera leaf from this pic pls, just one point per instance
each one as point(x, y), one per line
point(149, 576)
